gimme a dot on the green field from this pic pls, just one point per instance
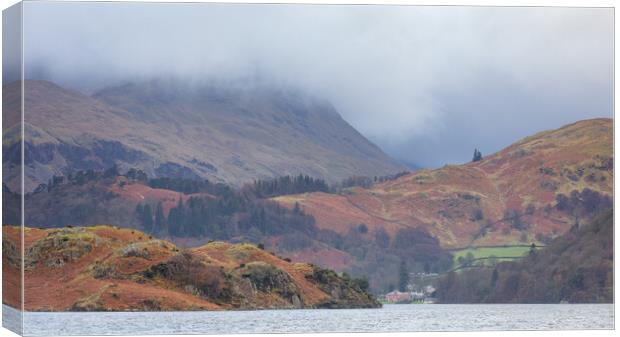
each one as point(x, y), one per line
point(505, 253)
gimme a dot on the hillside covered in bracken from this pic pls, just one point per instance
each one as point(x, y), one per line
point(532, 191)
point(103, 268)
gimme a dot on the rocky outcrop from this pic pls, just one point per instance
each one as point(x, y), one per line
point(344, 291)
point(104, 268)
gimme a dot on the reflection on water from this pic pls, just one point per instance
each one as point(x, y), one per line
point(438, 317)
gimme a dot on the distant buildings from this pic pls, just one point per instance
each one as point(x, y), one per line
point(398, 297)
point(429, 290)
point(415, 294)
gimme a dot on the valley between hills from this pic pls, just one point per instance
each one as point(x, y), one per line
point(124, 219)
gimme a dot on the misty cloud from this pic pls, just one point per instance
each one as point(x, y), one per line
point(427, 84)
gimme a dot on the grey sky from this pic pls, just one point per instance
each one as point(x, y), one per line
point(427, 84)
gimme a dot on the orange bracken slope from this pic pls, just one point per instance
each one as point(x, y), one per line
point(524, 177)
point(107, 268)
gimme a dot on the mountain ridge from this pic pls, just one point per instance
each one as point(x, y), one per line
point(228, 135)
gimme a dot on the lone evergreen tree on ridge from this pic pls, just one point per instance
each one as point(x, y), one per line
point(477, 155)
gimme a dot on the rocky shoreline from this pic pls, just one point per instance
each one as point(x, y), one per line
point(104, 268)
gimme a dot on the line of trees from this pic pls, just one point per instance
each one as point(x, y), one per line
point(262, 188)
point(286, 185)
point(367, 182)
point(224, 218)
point(188, 186)
point(79, 178)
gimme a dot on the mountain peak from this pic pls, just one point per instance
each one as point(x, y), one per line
point(224, 133)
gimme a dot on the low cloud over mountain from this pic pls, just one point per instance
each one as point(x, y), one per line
point(427, 84)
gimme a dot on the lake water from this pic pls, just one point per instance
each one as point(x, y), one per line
point(390, 318)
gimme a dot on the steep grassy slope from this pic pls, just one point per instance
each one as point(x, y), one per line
point(106, 268)
point(577, 267)
point(508, 197)
point(224, 133)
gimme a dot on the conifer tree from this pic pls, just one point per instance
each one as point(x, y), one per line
point(403, 276)
point(160, 219)
point(477, 155)
point(147, 219)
